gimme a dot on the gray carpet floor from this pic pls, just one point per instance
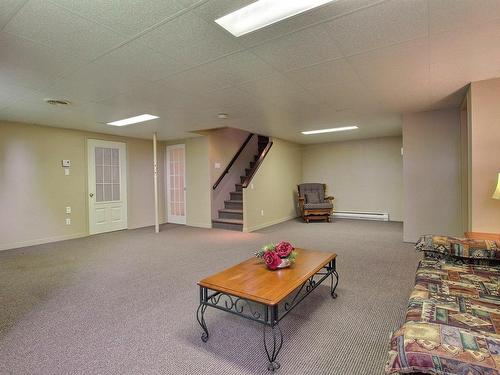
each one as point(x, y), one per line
point(125, 302)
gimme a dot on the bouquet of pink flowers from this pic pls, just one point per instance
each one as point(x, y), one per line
point(277, 256)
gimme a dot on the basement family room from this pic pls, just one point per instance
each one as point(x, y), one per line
point(240, 187)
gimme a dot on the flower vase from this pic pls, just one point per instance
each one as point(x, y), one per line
point(285, 263)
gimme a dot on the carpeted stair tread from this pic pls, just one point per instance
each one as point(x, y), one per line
point(228, 221)
point(231, 210)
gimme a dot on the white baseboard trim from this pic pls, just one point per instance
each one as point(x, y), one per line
point(268, 224)
point(200, 225)
point(41, 241)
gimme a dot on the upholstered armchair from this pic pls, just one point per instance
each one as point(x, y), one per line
point(313, 202)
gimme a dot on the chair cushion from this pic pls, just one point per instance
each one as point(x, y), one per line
point(312, 197)
point(310, 187)
point(316, 206)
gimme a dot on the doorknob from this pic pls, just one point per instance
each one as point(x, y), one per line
point(91, 195)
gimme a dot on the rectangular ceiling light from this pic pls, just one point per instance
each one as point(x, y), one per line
point(320, 131)
point(133, 120)
point(263, 13)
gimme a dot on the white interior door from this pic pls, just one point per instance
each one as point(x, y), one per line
point(176, 184)
point(107, 178)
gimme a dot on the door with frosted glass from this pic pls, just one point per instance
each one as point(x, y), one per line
point(107, 190)
point(176, 184)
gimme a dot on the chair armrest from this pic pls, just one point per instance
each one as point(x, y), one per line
point(301, 199)
point(329, 198)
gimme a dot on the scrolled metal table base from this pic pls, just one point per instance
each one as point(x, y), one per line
point(268, 315)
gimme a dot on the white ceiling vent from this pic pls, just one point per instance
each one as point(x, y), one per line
point(57, 101)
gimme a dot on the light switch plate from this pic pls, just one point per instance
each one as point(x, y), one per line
point(66, 171)
point(68, 210)
point(68, 221)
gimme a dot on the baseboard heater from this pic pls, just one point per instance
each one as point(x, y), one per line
point(380, 216)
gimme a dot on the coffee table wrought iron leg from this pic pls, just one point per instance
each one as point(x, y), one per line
point(273, 347)
point(333, 286)
point(200, 316)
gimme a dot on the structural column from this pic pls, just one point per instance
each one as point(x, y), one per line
point(155, 176)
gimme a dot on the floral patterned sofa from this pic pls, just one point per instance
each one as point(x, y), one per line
point(452, 322)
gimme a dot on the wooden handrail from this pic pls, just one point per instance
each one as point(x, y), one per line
point(259, 161)
point(226, 171)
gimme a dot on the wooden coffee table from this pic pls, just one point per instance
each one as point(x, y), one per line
point(252, 291)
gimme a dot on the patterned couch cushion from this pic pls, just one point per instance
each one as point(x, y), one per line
point(464, 296)
point(452, 322)
point(460, 247)
point(445, 350)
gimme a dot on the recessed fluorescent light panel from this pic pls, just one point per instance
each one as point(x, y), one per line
point(263, 13)
point(133, 120)
point(320, 131)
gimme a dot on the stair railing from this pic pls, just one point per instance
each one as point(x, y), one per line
point(235, 157)
point(259, 161)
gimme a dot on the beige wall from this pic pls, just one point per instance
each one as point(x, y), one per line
point(485, 155)
point(274, 187)
point(34, 190)
point(431, 174)
point(198, 187)
point(362, 175)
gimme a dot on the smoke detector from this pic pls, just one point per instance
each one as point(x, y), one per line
point(57, 101)
point(222, 116)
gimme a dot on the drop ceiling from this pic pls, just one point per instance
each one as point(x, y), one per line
point(350, 62)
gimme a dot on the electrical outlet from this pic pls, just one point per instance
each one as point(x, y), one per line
point(68, 210)
point(261, 212)
point(68, 221)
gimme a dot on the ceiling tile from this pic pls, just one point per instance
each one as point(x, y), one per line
point(8, 8)
point(463, 56)
point(190, 40)
point(398, 75)
point(154, 97)
point(343, 96)
point(28, 64)
point(212, 10)
point(329, 72)
point(446, 15)
point(378, 26)
point(227, 71)
point(10, 94)
point(459, 57)
point(394, 69)
point(136, 59)
point(93, 83)
point(280, 91)
point(129, 17)
point(299, 49)
point(47, 24)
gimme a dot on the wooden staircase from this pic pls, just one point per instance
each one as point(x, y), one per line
point(231, 216)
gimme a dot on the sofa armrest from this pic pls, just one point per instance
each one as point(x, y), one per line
point(483, 236)
point(329, 198)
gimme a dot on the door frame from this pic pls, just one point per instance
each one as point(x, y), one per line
point(122, 146)
point(167, 185)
